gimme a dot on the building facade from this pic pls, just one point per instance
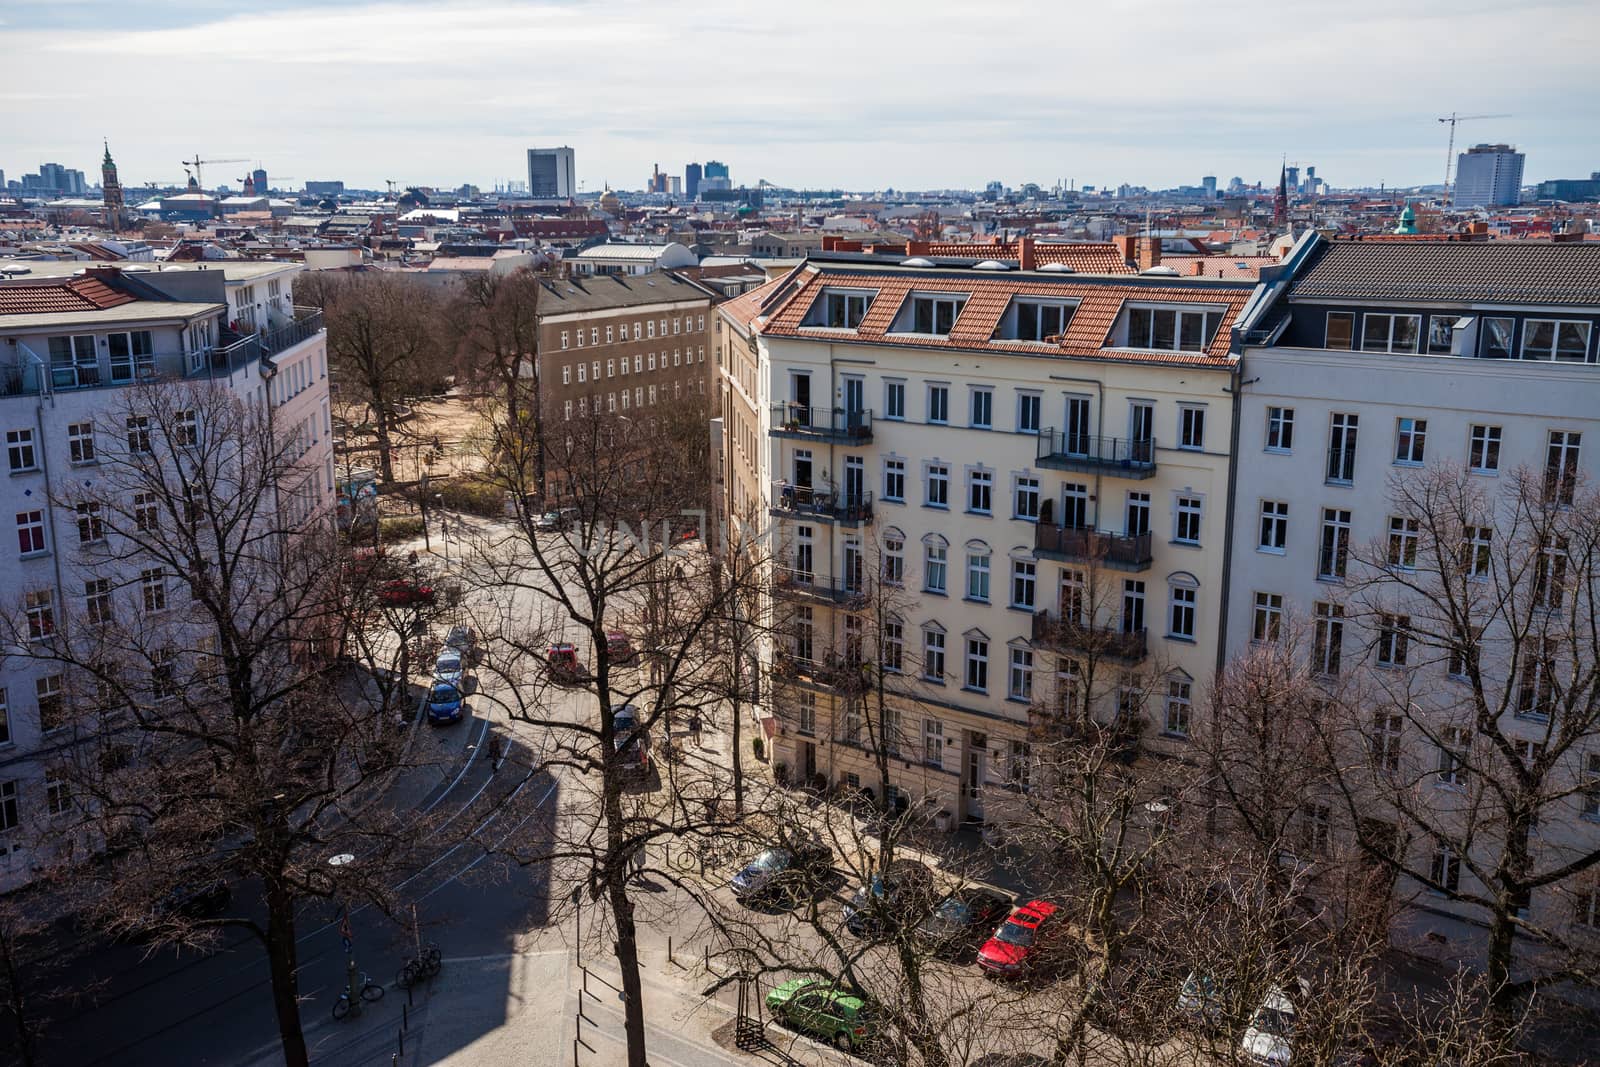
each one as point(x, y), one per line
point(1488, 175)
point(552, 172)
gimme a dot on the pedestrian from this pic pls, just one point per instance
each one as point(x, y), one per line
point(694, 727)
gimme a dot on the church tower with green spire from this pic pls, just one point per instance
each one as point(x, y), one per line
point(1408, 221)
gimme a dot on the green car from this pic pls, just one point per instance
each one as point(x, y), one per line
point(815, 1007)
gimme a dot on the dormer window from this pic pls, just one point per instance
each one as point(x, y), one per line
point(840, 309)
point(1171, 329)
point(1034, 320)
point(930, 313)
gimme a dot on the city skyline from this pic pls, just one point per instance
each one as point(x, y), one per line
point(828, 110)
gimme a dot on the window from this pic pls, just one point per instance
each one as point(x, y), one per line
point(1536, 688)
point(57, 794)
point(977, 677)
point(1191, 427)
point(1280, 429)
point(1476, 542)
point(1483, 449)
point(933, 742)
point(842, 311)
point(163, 681)
point(1497, 335)
point(1410, 438)
point(19, 450)
point(1171, 330)
point(153, 586)
point(981, 408)
point(52, 706)
point(5, 719)
point(978, 576)
point(894, 645)
point(933, 656)
point(1390, 333)
point(1403, 536)
point(39, 607)
point(939, 403)
point(1393, 637)
point(73, 362)
point(1040, 320)
point(97, 601)
point(1441, 334)
point(80, 442)
point(132, 355)
point(1025, 499)
point(186, 428)
point(980, 491)
point(934, 560)
point(1591, 779)
point(1274, 536)
point(938, 485)
point(1334, 555)
point(138, 434)
point(894, 480)
point(1561, 466)
point(1387, 728)
point(1028, 407)
point(1187, 520)
point(1024, 574)
point(1132, 606)
point(30, 532)
point(594, 371)
point(806, 713)
point(1327, 637)
point(1342, 447)
point(894, 400)
point(1181, 608)
point(1445, 870)
point(1550, 574)
point(1563, 340)
point(1179, 707)
point(1019, 680)
point(894, 560)
point(146, 512)
point(1268, 623)
point(1340, 330)
point(933, 314)
point(1454, 746)
point(91, 523)
point(8, 806)
point(1136, 514)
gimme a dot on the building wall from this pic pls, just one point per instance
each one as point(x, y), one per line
point(1488, 179)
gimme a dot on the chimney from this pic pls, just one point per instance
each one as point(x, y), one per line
point(1026, 258)
point(917, 248)
point(1148, 253)
point(1478, 227)
point(1199, 268)
point(827, 242)
point(1124, 243)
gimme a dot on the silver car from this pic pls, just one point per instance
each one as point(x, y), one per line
point(448, 667)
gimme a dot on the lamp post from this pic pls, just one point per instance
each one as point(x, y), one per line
point(444, 525)
point(422, 502)
point(346, 938)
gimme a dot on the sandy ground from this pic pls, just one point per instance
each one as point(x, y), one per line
point(452, 420)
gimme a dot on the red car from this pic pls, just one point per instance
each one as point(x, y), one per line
point(621, 649)
point(565, 667)
point(401, 593)
point(1015, 946)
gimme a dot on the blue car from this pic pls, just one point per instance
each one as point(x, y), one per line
point(444, 703)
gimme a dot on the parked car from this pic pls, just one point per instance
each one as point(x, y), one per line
point(788, 872)
point(448, 667)
point(905, 892)
point(203, 899)
point(401, 593)
point(631, 740)
point(815, 1007)
point(444, 703)
point(620, 648)
point(1018, 944)
point(1269, 1038)
point(565, 666)
point(556, 521)
point(961, 915)
point(464, 639)
point(1201, 1001)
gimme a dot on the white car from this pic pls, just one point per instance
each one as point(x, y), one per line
point(447, 668)
point(1268, 1040)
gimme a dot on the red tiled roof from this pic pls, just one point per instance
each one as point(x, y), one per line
point(987, 299)
point(1221, 266)
point(746, 306)
point(76, 294)
point(1083, 257)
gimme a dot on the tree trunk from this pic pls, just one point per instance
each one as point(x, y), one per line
point(626, 949)
point(385, 445)
point(17, 1001)
point(282, 958)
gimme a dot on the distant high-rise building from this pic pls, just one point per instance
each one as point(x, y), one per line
point(674, 185)
point(258, 177)
point(1292, 177)
point(1209, 184)
point(691, 180)
point(1310, 186)
point(1488, 175)
point(715, 169)
point(328, 188)
point(552, 172)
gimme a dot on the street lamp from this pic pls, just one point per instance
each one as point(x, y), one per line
point(444, 524)
point(353, 987)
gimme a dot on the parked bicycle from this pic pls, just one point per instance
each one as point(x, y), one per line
point(420, 968)
point(370, 991)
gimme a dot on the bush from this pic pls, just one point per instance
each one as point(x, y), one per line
point(400, 528)
point(472, 496)
point(759, 747)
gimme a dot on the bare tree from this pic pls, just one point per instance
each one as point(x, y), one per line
point(494, 321)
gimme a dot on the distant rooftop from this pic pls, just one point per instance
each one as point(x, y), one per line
point(1529, 272)
point(614, 291)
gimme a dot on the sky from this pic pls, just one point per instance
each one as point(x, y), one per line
point(821, 94)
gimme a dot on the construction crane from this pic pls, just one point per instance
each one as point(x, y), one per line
point(390, 183)
point(1450, 149)
point(197, 163)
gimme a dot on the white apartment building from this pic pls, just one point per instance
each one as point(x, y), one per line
point(1366, 364)
point(1006, 485)
point(71, 341)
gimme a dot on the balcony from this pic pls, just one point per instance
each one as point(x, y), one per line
point(790, 501)
point(1120, 457)
point(822, 424)
point(1070, 544)
point(307, 323)
point(803, 586)
point(1102, 642)
point(840, 673)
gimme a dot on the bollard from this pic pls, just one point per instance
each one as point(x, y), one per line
point(409, 993)
point(405, 1016)
point(574, 1054)
point(669, 948)
point(402, 1042)
point(708, 957)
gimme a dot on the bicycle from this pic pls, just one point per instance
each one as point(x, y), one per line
point(370, 991)
point(420, 968)
point(711, 853)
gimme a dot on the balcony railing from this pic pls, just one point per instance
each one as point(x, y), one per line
point(1341, 465)
point(1106, 642)
point(307, 323)
point(804, 585)
point(846, 674)
point(1072, 544)
point(1122, 456)
point(803, 501)
point(821, 424)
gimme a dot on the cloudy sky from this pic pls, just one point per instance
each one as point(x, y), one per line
point(825, 93)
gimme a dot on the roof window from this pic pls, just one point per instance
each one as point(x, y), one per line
point(1029, 319)
point(840, 309)
point(1189, 329)
point(930, 313)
